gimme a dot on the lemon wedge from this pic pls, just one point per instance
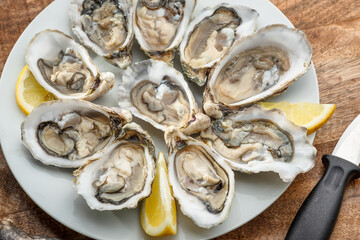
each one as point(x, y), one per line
point(158, 212)
point(310, 115)
point(29, 93)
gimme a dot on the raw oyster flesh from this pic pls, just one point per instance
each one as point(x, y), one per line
point(64, 67)
point(256, 140)
point(147, 14)
point(158, 93)
point(64, 132)
point(250, 73)
point(173, 105)
point(218, 32)
point(159, 25)
point(211, 34)
point(202, 182)
point(105, 26)
point(67, 73)
point(121, 175)
point(259, 66)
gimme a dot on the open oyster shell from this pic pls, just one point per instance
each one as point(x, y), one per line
point(63, 133)
point(258, 140)
point(261, 65)
point(158, 94)
point(159, 26)
point(201, 181)
point(210, 34)
point(105, 27)
point(121, 175)
point(64, 67)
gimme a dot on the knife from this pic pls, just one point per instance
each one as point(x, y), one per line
point(317, 216)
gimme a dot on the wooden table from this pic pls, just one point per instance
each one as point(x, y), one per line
point(333, 29)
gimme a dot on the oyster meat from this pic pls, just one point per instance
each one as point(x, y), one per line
point(257, 140)
point(261, 65)
point(106, 27)
point(210, 34)
point(121, 175)
point(159, 26)
point(64, 67)
point(157, 93)
point(201, 181)
point(65, 132)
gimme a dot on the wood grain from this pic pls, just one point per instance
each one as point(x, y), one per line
point(332, 28)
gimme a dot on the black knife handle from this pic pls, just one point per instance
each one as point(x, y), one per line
point(317, 216)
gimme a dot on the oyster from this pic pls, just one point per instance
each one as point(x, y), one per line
point(258, 140)
point(159, 26)
point(106, 27)
point(64, 132)
point(261, 65)
point(201, 181)
point(210, 34)
point(158, 94)
point(121, 175)
point(64, 67)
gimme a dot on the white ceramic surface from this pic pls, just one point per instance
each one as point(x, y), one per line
point(51, 187)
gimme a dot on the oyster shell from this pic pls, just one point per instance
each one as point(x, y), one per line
point(63, 133)
point(121, 175)
point(201, 181)
point(158, 94)
point(64, 67)
point(258, 140)
point(159, 26)
point(210, 34)
point(261, 65)
point(105, 27)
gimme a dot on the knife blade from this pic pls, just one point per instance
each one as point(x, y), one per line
point(317, 216)
point(346, 146)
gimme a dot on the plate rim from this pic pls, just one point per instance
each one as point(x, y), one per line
point(6, 156)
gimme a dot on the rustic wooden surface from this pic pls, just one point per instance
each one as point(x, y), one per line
point(333, 29)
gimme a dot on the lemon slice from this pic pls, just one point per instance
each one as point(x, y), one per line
point(158, 212)
point(310, 115)
point(29, 93)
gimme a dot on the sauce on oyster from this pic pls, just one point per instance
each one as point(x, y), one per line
point(213, 36)
point(249, 73)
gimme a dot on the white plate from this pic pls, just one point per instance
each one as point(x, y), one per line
point(51, 187)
